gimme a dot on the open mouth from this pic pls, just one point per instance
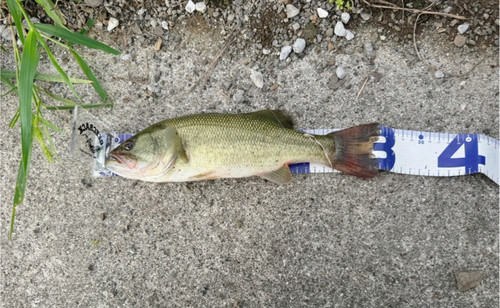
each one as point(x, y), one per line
point(124, 159)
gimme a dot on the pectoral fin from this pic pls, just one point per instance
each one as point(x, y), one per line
point(279, 176)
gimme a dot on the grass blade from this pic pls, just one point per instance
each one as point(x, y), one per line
point(90, 75)
point(15, 11)
point(87, 106)
point(9, 74)
point(22, 178)
point(53, 12)
point(57, 66)
point(14, 118)
point(66, 101)
point(29, 62)
point(76, 38)
point(49, 124)
point(90, 23)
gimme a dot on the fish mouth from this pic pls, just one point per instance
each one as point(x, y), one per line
point(123, 158)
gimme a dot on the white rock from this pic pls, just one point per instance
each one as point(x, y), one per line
point(439, 74)
point(340, 71)
point(164, 25)
point(345, 17)
point(266, 51)
point(299, 45)
point(201, 7)
point(322, 13)
point(285, 52)
point(112, 23)
point(257, 79)
point(190, 7)
point(291, 11)
point(125, 56)
point(339, 29)
point(296, 26)
point(349, 35)
point(463, 28)
point(366, 16)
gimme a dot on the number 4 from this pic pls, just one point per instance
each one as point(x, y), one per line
point(472, 158)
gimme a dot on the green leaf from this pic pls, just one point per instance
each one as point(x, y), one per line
point(22, 178)
point(14, 118)
point(76, 38)
point(14, 89)
point(29, 63)
point(49, 124)
point(66, 101)
point(90, 75)
point(90, 23)
point(15, 10)
point(9, 74)
point(57, 66)
point(53, 12)
point(87, 106)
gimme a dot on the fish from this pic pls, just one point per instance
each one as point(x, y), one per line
point(264, 143)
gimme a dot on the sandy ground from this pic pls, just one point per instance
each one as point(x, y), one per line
point(327, 240)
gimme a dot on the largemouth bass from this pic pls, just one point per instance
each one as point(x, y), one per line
point(263, 143)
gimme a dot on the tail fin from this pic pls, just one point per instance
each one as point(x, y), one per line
point(354, 150)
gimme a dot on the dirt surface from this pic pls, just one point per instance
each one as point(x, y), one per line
point(326, 240)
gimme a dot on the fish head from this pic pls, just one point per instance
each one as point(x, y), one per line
point(146, 156)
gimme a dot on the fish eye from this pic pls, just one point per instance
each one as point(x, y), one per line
point(129, 145)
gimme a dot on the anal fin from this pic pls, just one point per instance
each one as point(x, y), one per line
point(279, 176)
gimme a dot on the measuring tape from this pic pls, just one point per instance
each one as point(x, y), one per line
point(397, 150)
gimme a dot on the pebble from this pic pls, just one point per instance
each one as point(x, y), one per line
point(257, 79)
point(322, 13)
point(164, 25)
point(448, 9)
point(341, 73)
point(463, 28)
point(190, 6)
point(459, 41)
point(285, 52)
point(329, 32)
point(345, 17)
point(239, 96)
point(366, 16)
point(468, 279)
point(349, 35)
point(439, 74)
point(201, 7)
point(296, 26)
point(126, 56)
point(453, 22)
point(299, 45)
point(266, 51)
point(112, 23)
point(382, 38)
point(93, 3)
point(339, 29)
point(291, 11)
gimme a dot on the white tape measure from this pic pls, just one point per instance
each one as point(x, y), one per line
point(397, 150)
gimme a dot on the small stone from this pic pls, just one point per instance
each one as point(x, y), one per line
point(296, 26)
point(463, 28)
point(201, 7)
point(366, 16)
point(93, 3)
point(158, 44)
point(331, 47)
point(274, 86)
point(257, 79)
point(382, 38)
point(468, 279)
point(112, 23)
point(285, 52)
point(453, 22)
point(441, 30)
point(439, 74)
point(339, 29)
point(486, 16)
point(266, 51)
point(126, 56)
point(329, 32)
point(239, 96)
point(164, 25)
point(322, 13)
point(341, 73)
point(230, 17)
point(345, 17)
point(349, 35)
point(299, 45)
point(459, 41)
point(448, 9)
point(136, 29)
point(190, 6)
point(291, 11)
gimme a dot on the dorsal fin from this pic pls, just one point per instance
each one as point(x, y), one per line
point(276, 116)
